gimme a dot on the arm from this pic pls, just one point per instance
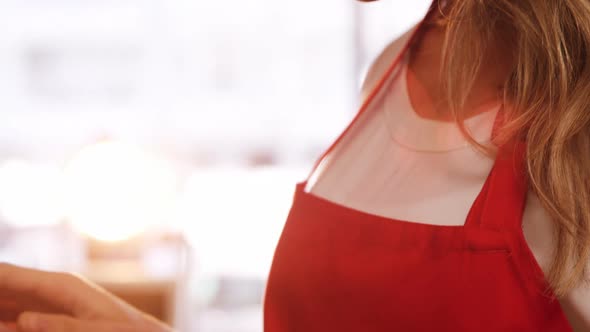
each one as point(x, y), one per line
point(538, 230)
point(577, 307)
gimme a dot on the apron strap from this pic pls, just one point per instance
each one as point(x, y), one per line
point(505, 191)
point(377, 89)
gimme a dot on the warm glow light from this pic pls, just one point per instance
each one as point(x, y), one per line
point(30, 194)
point(116, 190)
point(233, 217)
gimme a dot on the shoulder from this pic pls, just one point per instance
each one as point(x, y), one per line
point(383, 61)
point(539, 232)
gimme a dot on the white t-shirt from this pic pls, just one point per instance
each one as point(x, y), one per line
point(373, 170)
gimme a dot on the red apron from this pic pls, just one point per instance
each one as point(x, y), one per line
point(340, 269)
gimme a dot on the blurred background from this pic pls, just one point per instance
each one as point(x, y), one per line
point(153, 145)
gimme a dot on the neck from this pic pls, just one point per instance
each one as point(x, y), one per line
point(425, 83)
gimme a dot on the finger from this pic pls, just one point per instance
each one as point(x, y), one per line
point(69, 294)
point(22, 283)
point(38, 322)
point(14, 304)
point(4, 327)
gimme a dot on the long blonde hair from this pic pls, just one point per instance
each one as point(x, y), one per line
point(548, 43)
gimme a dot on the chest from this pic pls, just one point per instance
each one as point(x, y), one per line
point(369, 172)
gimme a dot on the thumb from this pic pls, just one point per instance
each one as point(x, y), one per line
point(38, 322)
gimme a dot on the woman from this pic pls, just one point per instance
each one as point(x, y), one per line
point(502, 198)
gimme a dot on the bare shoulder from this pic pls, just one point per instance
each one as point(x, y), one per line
point(383, 61)
point(538, 230)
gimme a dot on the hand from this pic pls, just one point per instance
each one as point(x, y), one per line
point(37, 301)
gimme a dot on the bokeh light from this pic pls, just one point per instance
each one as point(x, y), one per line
point(30, 194)
point(115, 190)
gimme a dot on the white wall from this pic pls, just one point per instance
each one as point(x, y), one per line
point(218, 77)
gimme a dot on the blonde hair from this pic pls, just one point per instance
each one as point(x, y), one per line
point(548, 88)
